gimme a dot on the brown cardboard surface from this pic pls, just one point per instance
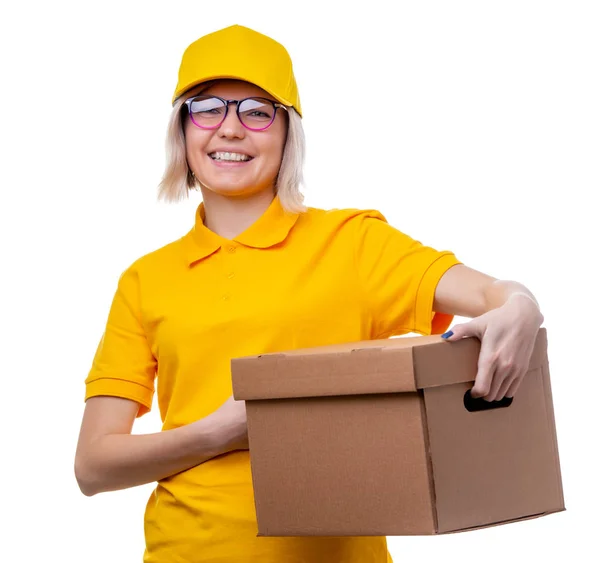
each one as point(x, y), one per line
point(504, 470)
point(281, 376)
point(373, 438)
point(300, 486)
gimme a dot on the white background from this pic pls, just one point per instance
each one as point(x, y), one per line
point(483, 138)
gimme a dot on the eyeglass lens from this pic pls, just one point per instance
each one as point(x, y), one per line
point(255, 113)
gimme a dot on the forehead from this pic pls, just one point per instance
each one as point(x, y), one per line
point(235, 89)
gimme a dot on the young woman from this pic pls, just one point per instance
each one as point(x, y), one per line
point(259, 272)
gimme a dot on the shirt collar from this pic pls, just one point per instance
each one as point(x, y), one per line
point(270, 229)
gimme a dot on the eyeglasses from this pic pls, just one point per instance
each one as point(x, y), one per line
point(256, 114)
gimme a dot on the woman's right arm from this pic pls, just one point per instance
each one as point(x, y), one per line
point(110, 458)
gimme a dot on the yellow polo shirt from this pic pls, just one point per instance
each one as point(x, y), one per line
point(182, 312)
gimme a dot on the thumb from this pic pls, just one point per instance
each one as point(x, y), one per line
point(461, 331)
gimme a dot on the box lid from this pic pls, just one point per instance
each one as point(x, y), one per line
point(393, 365)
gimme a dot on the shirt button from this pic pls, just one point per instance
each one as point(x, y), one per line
point(226, 297)
point(231, 249)
point(230, 275)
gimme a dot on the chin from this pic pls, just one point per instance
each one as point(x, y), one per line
point(234, 190)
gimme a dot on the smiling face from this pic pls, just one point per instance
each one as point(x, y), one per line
point(205, 147)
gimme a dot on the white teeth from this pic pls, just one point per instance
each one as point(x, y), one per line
point(231, 156)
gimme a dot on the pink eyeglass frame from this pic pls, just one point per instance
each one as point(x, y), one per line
point(276, 106)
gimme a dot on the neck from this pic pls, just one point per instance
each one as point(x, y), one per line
point(230, 216)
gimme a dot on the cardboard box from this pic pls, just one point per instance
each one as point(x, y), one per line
point(374, 438)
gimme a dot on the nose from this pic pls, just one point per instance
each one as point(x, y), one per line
point(231, 126)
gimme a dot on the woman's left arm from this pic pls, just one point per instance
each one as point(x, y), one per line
point(506, 318)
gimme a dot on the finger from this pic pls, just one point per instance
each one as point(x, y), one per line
point(505, 369)
point(462, 330)
point(512, 374)
point(514, 386)
point(483, 381)
point(486, 366)
point(503, 376)
point(454, 333)
point(504, 387)
point(498, 380)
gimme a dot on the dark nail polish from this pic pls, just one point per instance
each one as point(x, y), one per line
point(447, 334)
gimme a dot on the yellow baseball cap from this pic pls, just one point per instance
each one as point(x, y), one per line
point(244, 54)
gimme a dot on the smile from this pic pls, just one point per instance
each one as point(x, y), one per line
point(230, 156)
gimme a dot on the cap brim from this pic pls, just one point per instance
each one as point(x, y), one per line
point(187, 88)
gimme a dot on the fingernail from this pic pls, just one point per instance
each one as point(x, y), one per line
point(447, 334)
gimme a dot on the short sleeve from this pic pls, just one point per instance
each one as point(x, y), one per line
point(124, 365)
point(399, 276)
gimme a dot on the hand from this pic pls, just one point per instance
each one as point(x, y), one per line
point(507, 336)
point(230, 419)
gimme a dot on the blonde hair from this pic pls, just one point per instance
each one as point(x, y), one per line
point(178, 180)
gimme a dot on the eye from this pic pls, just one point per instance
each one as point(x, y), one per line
point(256, 111)
point(207, 107)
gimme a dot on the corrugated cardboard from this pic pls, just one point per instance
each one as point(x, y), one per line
point(373, 438)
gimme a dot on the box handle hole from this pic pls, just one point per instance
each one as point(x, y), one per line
point(473, 404)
